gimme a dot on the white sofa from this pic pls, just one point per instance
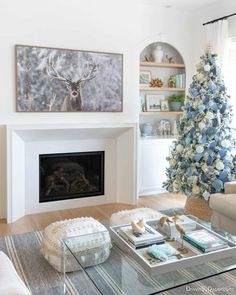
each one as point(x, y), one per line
point(224, 208)
point(10, 282)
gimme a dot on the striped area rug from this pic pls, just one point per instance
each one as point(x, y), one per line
point(130, 278)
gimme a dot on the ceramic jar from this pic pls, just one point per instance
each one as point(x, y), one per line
point(146, 129)
point(158, 54)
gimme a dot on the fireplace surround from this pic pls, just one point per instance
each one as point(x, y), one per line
point(26, 142)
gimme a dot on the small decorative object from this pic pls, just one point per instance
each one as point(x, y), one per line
point(169, 59)
point(180, 229)
point(158, 54)
point(143, 107)
point(172, 82)
point(176, 101)
point(164, 105)
point(165, 127)
point(146, 129)
point(156, 83)
point(144, 78)
point(138, 227)
point(162, 252)
point(162, 221)
point(64, 80)
point(142, 104)
point(147, 58)
point(174, 128)
point(153, 102)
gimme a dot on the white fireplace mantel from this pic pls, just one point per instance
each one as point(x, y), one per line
point(26, 142)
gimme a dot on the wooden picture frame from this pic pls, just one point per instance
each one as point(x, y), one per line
point(153, 102)
point(164, 105)
point(144, 78)
point(68, 80)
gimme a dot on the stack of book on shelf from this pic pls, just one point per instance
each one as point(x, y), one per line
point(205, 241)
point(170, 230)
point(180, 81)
point(149, 237)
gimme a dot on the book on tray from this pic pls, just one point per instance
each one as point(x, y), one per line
point(205, 241)
point(150, 236)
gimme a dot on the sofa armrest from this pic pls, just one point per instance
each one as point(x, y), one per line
point(230, 187)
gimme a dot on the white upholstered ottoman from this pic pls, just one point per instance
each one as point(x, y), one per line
point(126, 216)
point(93, 249)
point(10, 282)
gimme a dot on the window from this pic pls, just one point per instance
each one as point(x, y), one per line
point(230, 76)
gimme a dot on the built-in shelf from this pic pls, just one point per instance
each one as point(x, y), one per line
point(157, 137)
point(161, 65)
point(148, 88)
point(160, 113)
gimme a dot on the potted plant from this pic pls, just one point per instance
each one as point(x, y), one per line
point(176, 101)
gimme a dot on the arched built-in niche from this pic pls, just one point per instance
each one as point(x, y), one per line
point(153, 146)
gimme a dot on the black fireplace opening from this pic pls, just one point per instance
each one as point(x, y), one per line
point(71, 175)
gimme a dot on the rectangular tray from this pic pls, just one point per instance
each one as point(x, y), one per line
point(194, 257)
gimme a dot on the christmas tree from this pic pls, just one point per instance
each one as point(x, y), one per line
point(203, 157)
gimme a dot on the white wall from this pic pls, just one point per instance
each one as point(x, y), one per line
point(124, 26)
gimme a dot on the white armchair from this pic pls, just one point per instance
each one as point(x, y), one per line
point(224, 208)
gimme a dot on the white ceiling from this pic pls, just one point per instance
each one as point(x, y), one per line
point(190, 5)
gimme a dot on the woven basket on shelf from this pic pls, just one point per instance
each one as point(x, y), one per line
point(199, 208)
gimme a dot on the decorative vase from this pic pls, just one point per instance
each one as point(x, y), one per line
point(176, 106)
point(198, 207)
point(146, 129)
point(158, 54)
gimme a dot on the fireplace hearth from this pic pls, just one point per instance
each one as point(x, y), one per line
point(71, 175)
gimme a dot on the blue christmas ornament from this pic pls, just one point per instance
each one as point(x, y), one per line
point(218, 185)
point(194, 93)
point(206, 100)
point(212, 144)
point(223, 176)
point(222, 153)
point(189, 172)
point(223, 108)
point(202, 139)
point(192, 132)
point(214, 107)
point(201, 108)
point(213, 87)
point(211, 131)
point(209, 161)
point(215, 122)
point(203, 178)
point(197, 157)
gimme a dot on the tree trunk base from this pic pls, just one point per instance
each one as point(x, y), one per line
point(199, 208)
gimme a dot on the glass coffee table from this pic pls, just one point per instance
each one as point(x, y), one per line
point(121, 274)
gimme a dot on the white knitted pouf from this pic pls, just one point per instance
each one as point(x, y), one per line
point(126, 216)
point(93, 248)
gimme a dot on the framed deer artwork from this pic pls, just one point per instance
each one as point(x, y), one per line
point(63, 80)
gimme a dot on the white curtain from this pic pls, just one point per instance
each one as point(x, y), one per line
point(217, 36)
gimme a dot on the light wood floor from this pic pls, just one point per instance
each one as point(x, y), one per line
point(40, 221)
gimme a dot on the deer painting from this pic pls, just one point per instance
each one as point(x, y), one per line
point(72, 102)
point(66, 80)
